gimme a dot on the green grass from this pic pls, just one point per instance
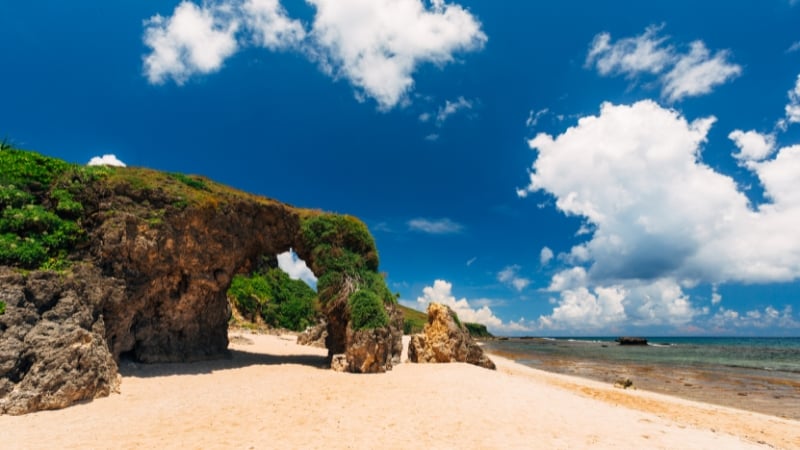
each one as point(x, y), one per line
point(2, 307)
point(478, 330)
point(413, 321)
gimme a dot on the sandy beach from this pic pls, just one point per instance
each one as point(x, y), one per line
point(273, 393)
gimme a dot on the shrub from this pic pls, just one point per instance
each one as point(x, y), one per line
point(367, 311)
point(276, 298)
point(2, 307)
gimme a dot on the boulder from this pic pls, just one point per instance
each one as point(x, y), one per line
point(375, 350)
point(444, 339)
point(53, 351)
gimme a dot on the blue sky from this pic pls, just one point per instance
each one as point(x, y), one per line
point(547, 168)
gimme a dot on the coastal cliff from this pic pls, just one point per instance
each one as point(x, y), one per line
point(102, 263)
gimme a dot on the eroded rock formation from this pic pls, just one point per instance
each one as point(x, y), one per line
point(53, 350)
point(149, 283)
point(444, 339)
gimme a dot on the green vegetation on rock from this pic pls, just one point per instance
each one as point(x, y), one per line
point(276, 298)
point(343, 251)
point(367, 311)
point(40, 211)
point(2, 308)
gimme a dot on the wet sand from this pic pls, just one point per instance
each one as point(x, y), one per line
point(752, 390)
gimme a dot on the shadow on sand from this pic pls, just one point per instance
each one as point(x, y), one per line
point(235, 359)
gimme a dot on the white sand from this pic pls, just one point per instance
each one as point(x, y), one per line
point(272, 394)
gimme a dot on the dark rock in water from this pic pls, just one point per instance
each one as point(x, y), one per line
point(444, 340)
point(627, 340)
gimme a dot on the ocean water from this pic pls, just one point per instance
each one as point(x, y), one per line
point(768, 354)
point(757, 374)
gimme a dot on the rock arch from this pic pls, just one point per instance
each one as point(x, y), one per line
point(155, 290)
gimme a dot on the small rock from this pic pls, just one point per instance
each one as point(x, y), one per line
point(339, 363)
point(623, 383)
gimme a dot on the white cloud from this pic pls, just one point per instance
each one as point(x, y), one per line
point(471, 261)
point(269, 26)
point(794, 47)
point(793, 107)
point(193, 40)
point(753, 146)
point(535, 116)
point(296, 268)
point(630, 56)
point(441, 292)
point(729, 320)
point(449, 108)
point(510, 275)
point(545, 256)
point(698, 73)
point(440, 226)
point(680, 75)
point(716, 298)
point(378, 44)
point(106, 160)
point(660, 218)
point(637, 303)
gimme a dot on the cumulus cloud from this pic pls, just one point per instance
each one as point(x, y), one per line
point(440, 226)
point(376, 45)
point(269, 26)
point(195, 39)
point(510, 275)
point(680, 75)
point(727, 320)
point(753, 146)
point(660, 219)
point(106, 160)
point(441, 292)
point(296, 268)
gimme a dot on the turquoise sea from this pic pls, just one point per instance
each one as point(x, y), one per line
point(754, 373)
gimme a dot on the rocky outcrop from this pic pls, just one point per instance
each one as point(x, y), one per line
point(444, 339)
point(53, 351)
point(375, 350)
point(314, 336)
point(149, 283)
